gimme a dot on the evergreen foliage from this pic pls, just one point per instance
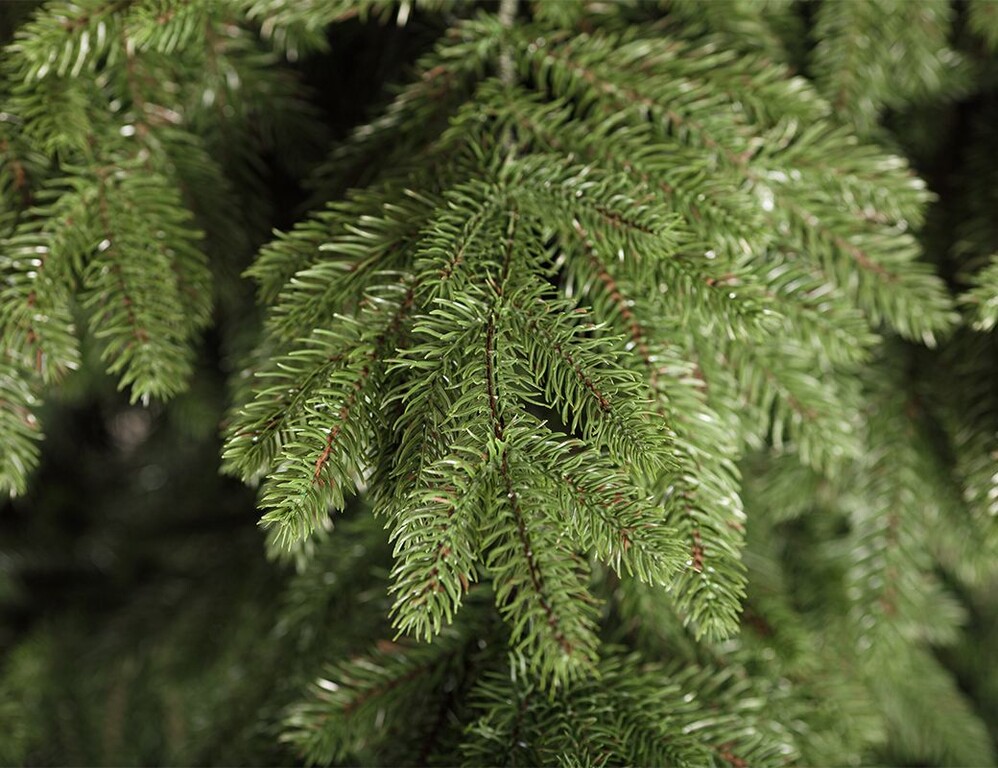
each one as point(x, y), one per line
point(627, 398)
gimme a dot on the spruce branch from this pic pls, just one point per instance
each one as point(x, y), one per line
point(20, 427)
point(616, 373)
point(982, 299)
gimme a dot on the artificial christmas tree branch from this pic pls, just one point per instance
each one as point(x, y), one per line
point(625, 398)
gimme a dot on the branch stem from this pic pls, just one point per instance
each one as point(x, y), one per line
point(507, 15)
